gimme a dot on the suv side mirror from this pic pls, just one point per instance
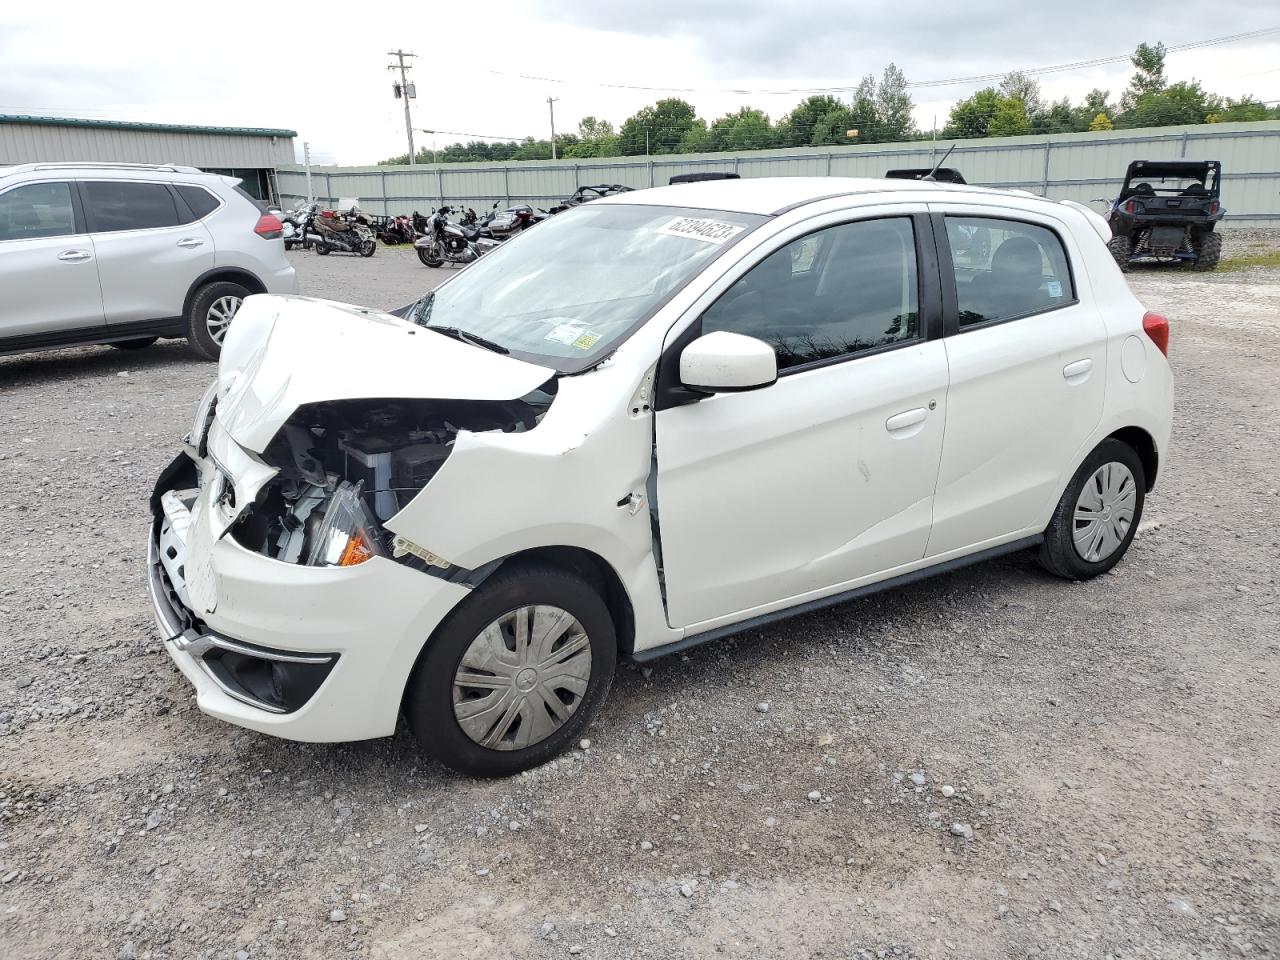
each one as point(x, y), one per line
point(723, 362)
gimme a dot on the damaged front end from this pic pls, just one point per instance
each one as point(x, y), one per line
point(345, 467)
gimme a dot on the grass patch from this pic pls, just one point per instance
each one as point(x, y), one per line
point(1270, 259)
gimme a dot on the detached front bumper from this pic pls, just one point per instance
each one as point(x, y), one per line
point(306, 653)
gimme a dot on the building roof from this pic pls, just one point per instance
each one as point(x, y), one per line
point(147, 127)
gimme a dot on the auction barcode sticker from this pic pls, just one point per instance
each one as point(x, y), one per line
point(708, 231)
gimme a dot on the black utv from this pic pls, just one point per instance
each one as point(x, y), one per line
point(1166, 212)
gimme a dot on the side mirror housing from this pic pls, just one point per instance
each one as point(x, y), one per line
point(723, 362)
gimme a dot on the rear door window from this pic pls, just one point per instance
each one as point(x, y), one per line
point(1006, 269)
point(114, 205)
point(36, 210)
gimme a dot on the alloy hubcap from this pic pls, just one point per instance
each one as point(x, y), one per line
point(1104, 512)
point(221, 312)
point(522, 678)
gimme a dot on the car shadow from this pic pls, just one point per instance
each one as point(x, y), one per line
point(74, 362)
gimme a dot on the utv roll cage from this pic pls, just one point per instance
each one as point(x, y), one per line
point(1206, 174)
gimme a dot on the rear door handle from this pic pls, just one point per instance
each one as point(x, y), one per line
point(74, 256)
point(190, 242)
point(900, 423)
point(1077, 371)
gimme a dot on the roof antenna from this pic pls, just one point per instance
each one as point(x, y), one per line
point(930, 175)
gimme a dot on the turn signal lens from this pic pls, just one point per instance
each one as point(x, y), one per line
point(1157, 328)
point(346, 534)
point(356, 551)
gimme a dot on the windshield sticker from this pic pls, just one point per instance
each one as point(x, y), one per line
point(1055, 289)
point(567, 332)
point(708, 231)
point(587, 341)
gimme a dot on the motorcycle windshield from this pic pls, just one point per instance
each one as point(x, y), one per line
point(568, 293)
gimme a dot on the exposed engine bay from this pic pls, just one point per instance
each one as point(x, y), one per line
point(345, 467)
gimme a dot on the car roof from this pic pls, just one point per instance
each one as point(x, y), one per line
point(775, 195)
point(127, 170)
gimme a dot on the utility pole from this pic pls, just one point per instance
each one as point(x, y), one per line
point(306, 162)
point(551, 105)
point(407, 91)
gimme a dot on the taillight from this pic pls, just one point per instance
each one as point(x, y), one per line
point(1213, 208)
point(1157, 328)
point(269, 226)
point(1130, 207)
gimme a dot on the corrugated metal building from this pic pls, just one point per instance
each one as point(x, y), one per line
point(251, 153)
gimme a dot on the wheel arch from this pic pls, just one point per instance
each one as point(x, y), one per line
point(219, 274)
point(1144, 445)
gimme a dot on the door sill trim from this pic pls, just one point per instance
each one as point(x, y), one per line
point(808, 606)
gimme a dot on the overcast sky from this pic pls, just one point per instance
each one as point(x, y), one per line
point(319, 68)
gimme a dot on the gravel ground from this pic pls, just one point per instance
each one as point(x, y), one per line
point(992, 763)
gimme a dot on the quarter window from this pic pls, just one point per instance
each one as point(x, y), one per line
point(1006, 269)
point(37, 210)
point(126, 205)
point(832, 293)
point(200, 200)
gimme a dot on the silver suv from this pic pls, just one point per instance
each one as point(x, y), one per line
point(127, 253)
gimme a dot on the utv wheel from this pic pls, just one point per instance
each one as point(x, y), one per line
point(514, 674)
point(212, 310)
point(1098, 515)
point(429, 259)
point(141, 343)
point(322, 249)
point(1121, 249)
point(369, 248)
point(1208, 252)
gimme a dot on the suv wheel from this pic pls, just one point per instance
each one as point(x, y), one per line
point(212, 311)
point(515, 672)
point(1208, 251)
point(1121, 248)
point(1098, 515)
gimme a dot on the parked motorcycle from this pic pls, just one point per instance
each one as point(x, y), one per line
point(327, 231)
point(446, 242)
point(292, 222)
point(394, 230)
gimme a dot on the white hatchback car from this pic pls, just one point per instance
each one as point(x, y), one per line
point(655, 420)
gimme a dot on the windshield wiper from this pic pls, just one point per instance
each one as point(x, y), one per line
point(466, 336)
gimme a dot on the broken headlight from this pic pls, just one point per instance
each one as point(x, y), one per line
point(347, 534)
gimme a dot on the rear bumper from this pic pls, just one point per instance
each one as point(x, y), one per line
point(307, 653)
point(283, 280)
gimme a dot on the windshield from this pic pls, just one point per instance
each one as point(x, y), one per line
point(567, 292)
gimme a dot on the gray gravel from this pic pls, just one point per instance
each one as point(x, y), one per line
point(1111, 748)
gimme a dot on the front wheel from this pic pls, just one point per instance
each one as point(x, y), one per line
point(368, 247)
point(1121, 248)
point(429, 257)
point(1098, 515)
point(515, 672)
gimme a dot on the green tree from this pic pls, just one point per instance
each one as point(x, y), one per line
point(1057, 117)
point(1026, 88)
point(972, 117)
point(745, 129)
point(589, 128)
point(661, 126)
point(1176, 103)
point(1244, 109)
point(797, 128)
point(697, 138)
point(1148, 74)
point(893, 108)
point(1010, 119)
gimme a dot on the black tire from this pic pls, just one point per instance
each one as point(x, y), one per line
point(322, 248)
point(368, 248)
point(199, 337)
point(290, 244)
point(1058, 553)
point(1208, 252)
point(141, 343)
point(1121, 248)
point(429, 696)
point(428, 259)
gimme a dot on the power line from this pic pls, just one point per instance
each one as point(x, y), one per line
point(918, 84)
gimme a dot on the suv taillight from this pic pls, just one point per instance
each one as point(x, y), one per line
point(1157, 328)
point(1130, 207)
point(269, 226)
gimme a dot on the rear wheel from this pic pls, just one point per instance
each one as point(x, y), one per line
point(141, 343)
point(212, 310)
point(322, 248)
point(1121, 248)
point(1098, 515)
point(1208, 251)
point(515, 673)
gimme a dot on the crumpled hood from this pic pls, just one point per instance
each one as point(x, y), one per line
point(284, 352)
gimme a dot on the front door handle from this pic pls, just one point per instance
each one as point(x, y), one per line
point(1077, 371)
point(74, 256)
point(900, 423)
point(190, 242)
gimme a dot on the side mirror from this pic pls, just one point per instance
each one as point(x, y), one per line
point(724, 362)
